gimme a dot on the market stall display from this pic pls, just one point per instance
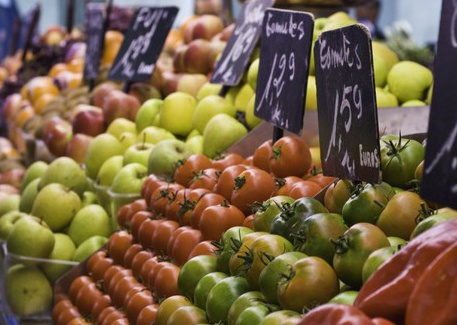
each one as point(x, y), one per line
point(168, 198)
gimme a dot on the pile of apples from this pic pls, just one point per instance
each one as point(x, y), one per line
point(54, 224)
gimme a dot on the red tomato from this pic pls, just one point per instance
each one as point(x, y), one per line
point(176, 202)
point(162, 235)
point(184, 243)
point(137, 303)
point(204, 202)
point(283, 185)
point(291, 157)
point(226, 180)
point(166, 281)
point(138, 261)
point(186, 171)
point(60, 307)
point(101, 303)
point(205, 247)
point(147, 315)
point(161, 197)
point(87, 297)
point(151, 183)
point(227, 160)
point(216, 219)
point(76, 285)
point(117, 244)
point(206, 178)
point(304, 189)
point(249, 222)
point(136, 221)
point(126, 212)
point(262, 155)
point(146, 231)
point(121, 288)
point(130, 254)
point(252, 185)
point(189, 204)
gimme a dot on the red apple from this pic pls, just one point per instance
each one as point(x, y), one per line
point(12, 177)
point(196, 57)
point(77, 147)
point(204, 27)
point(171, 82)
point(225, 34)
point(100, 91)
point(144, 91)
point(178, 59)
point(119, 104)
point(11, 105)
point(57, 132)
point(89, 122)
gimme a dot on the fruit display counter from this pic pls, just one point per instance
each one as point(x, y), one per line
point(168, 202)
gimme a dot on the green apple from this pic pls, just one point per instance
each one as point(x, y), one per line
point(89, 197)
point(35, 170)
point(195, 143)
point(31, 237)
point(208, 107)
point(56, 204)
point(127, 139)
point(109, 169)
point(63, 250)
point(428, 99)
point(192, 134)
point(208, 89)
point(177, 111)
point(88, 247)
point(91, 220)
point(100, 149)
point(153, 135)
point(311, 94)
point(385, 98)
point(409, 80)
point(232, 93)
point(243, 97)
point(165, 157)
point(253, 71)
point(139, 153)
point(10, 203)
point(319, 23)
point(147, 113)
point(27, 290)
point(190, 83)
point(380, 69)
point(220, 133)
point(67, 172)
point(121, 125)
point(251, 120)
point(389, 57)
point(28, 196)
point(7, 222)
point(129, 179)
point(413, 103)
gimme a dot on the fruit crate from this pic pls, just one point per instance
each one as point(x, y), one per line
point(27, 269)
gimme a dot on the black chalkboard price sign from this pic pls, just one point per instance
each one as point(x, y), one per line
point(235, 57)
point(94, 40)
point(283, 68)
point(439, 182)
point(347, 114)
point(143, 43)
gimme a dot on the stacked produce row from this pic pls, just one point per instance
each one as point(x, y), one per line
point(171, 228)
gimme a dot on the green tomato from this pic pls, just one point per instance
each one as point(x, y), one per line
point(268, 210)
point(203, 287)
point(283, 317)
point(367, 203)
point(255, 314)
point(229, 245)
point(263, 250)
point(192, 271)
point(399, 159)
point(376, 258)
point(271, 274)
point(246, 300)
point(300, 209)
point(441, 215)
point(353, 249)
point(345, 297)
point(337, 194)
point(222, 295)
point(187, 315)
point(396, 241)
point(315, 235)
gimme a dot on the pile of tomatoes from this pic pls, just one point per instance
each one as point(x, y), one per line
point(244, 241)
